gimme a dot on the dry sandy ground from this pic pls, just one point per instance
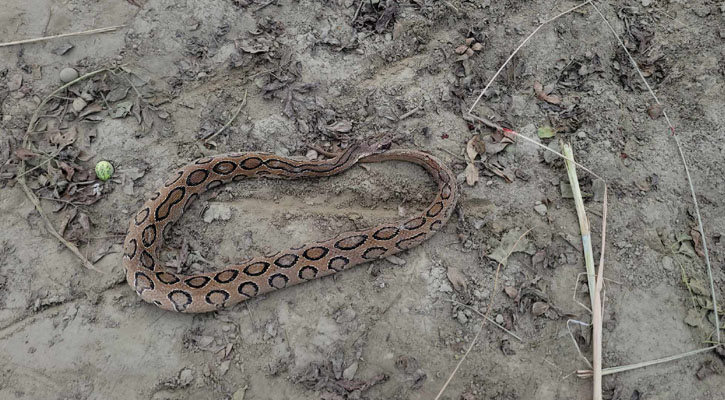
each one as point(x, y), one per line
point(391, 329)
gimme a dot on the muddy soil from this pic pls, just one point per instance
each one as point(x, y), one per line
point(330, 74)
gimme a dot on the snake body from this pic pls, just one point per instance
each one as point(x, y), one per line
point(212, 291)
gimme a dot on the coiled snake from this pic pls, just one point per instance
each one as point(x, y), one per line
point(211, 291)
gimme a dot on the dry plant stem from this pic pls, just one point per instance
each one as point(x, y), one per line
point(687, 172)
point(614, 370)
point(234, 116)
point(488, 315)
point(583, 220)
point(598, 312)
point(519, 48)
point(491, 320)
point(40, 39)
point(29, 193)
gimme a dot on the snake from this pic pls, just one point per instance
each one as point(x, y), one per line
point(222, 288)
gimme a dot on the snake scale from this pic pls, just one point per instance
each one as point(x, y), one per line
point(212, 291)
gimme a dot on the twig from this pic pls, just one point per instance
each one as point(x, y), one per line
point(583, 220)
point(597, 310)
point(614, 370)
point(40, 39)
point(491, 320)
point(483, 323)
point(409, 113)
point(234, 116)
point(687, 172)
point(519, 48)
point(354, 17)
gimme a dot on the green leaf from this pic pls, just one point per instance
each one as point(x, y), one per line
point(546, 132)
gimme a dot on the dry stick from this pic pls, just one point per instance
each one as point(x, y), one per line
point(29, 193)
point(519, 48)
point(614, 370)
point(234, 116)
point(488, 315)
point(583, 220)
point(595, 284)
point(40, 39)
point(687, 172)
point(491, 320)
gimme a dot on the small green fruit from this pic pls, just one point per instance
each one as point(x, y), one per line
point(104, 170)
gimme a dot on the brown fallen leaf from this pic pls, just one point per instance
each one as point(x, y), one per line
point(343, 126)
point(539, 308)
point(457, 279)
point(542, 95)
point(24, 154)
point(511, 291)
point(655, 111)
point(471, 174)
point(475, 147)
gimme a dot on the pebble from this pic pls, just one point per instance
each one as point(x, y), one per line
point(461, 316)
point(541, 209)
point(499, 319)
point(668, 264)
point(68, 74)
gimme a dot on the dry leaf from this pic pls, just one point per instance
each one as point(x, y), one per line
point(511, 291)
point(471, 174)
point(474, 147)
point(539, 308)
point(457, 279)
point(343, 126)
point(655, 111)
point(24, 154)
point(461, 49)
point(542, 95)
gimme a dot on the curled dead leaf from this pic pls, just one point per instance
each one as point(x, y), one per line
point(343, 126)
point(539, 308)
point(24, 154)
point(655, 111)
point(471, 174)
point(542, 95)
point(457, 279)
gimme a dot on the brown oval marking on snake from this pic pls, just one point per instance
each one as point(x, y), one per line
point(251, 163)
point(374, 252)
point(338, 263)
point(435, 210)
point(167, 278)
point(278, 281)
point(197, 177)
point(351, 242)
point(386, 233)
point(142, 215)
point(414, 223)
point(148, 236)
point(142, 282)
point(217, 297)
point(286, 261)
point(307, 273)
point(257, 268)
point(174, 197)
point(315, 253)
point(231, 285)
point(224, 167)
point(226, 276)
point(248, 289)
